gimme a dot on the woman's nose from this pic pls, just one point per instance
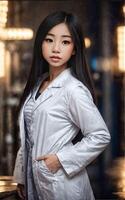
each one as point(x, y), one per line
point(56, 47)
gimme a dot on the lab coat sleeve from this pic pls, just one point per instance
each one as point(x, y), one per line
point(84, 114)
point(18, 174)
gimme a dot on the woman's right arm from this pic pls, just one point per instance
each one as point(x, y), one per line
point(18, 174)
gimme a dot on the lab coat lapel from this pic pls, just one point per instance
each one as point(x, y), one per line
point(51, 90)
point(43, 97)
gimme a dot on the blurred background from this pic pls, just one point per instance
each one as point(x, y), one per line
point(103, 23)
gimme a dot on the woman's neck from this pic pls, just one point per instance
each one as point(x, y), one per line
point(54, 72)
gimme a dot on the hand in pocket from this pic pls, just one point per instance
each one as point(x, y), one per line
point(51, 161)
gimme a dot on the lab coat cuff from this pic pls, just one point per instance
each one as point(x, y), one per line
point(66, 164)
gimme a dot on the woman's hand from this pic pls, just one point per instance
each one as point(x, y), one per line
point(20, 191)
point(51, 161)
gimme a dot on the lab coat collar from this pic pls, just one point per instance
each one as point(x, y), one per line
point(56, 84)
point(60, 79)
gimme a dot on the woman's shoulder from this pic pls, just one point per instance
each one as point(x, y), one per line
point(73, 85)
point(75, 89)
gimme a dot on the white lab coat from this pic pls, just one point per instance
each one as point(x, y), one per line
point(64, 107)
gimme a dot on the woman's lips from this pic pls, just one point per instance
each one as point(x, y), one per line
point(55, 59)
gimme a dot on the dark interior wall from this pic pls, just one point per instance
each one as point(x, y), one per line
point(33, 12)
point(39, 9)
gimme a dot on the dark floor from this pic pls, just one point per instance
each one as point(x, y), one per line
point(107, 185)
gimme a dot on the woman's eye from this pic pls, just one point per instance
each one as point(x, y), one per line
point(48, 40)
point(66, 42)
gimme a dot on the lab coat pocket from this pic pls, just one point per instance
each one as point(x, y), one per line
point(46, 181)
point(46, 175)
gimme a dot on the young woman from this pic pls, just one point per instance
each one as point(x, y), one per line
point(57, 104)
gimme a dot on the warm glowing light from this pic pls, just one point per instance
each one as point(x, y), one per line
point(9, 34)
point(2, 183)
point(124, 9)
point(2, 59)
point(16, 34)
point(87, 42)
point(117, 172)
point(7, 184)
point(121, 47)
point(3, 13)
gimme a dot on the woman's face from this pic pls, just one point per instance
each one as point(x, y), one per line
point(58, 47)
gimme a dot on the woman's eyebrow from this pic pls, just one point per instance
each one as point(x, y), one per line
point(50, 34)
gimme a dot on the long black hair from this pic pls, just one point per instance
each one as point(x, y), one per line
point(77, 62)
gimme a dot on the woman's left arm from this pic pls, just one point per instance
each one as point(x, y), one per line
point(83, 113)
